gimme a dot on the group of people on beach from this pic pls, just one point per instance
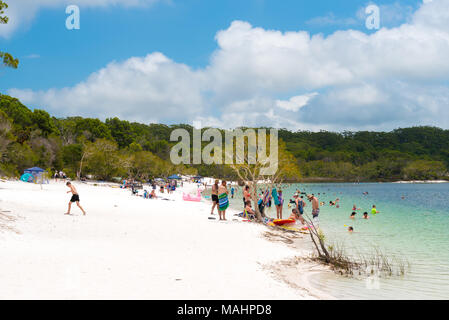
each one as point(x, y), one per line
point(59, 175)
point(268, 197)
point(220, 199)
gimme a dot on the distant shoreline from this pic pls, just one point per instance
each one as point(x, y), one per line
point(334, 180)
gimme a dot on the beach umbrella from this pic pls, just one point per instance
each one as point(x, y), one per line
point(175, 177)
point(34, 170)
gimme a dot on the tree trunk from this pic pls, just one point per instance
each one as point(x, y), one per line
point(81, 166)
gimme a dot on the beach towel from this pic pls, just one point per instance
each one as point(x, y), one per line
point(223, 202)
point(247, 215)
point(274, 194)
point(266, 196)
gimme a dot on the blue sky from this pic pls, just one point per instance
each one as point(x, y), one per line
point(54, 61)
point(183, 30)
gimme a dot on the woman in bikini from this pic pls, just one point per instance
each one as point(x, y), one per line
point(246, 195)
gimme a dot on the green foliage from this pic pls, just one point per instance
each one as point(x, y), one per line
point(423, 169)
point(41, 120)
point(103, 159)
point(121, 132)
point(19, 114)
point(6, 137)
point(3, 19)
point(21, 156)
point(121, 148)
point(6, 58)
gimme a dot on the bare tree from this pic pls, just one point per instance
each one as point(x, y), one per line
point(250, 169)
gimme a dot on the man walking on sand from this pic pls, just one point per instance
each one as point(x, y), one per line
point(75, 198)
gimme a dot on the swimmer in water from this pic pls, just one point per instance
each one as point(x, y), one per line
point(350, 229)
point(353, 215)
point(374, 210)
point(365, 216)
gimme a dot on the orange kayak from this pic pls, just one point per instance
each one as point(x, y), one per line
point(282, 222)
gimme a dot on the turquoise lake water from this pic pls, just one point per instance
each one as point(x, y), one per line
point(413, 224)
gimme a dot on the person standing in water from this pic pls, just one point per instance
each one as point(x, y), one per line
point(75, 198)
point(315, 206)
point(279, 204)
point(374, 210)
point(275, 196)
point(300, 204)
point(214, 196)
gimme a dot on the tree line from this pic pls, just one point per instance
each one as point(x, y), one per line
point(119, 148)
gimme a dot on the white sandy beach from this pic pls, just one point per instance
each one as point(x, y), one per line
point(128, 247)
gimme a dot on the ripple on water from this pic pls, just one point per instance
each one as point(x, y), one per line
point(415, 228)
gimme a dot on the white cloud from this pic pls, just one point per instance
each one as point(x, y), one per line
point(392, 77)
point(32, 56)
point(295, 103)
point(152, 88)
point(331, 20)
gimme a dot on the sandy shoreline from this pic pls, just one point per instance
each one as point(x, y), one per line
point(131, 248)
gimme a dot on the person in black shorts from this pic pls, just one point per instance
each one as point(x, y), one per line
point(75, 198)
point(214, 196)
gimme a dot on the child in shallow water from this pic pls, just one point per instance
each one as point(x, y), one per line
point(297, 216)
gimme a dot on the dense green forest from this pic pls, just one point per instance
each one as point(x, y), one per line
point(117, 148)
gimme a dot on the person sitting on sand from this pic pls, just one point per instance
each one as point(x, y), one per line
point(249, 212)
point(153, 195)
point(365, 216)
point(246, 195)
point(75, 198)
